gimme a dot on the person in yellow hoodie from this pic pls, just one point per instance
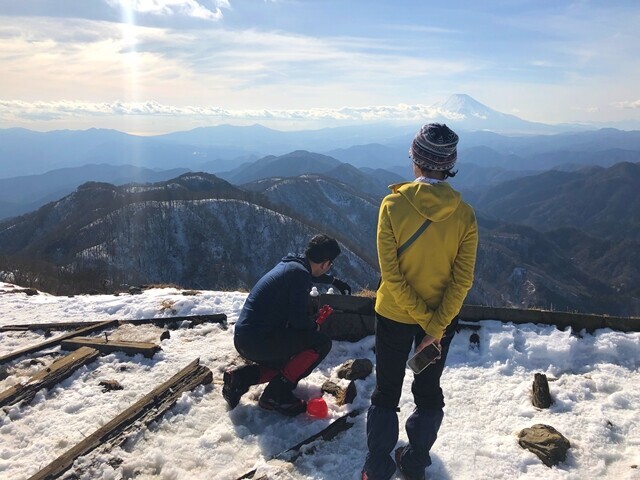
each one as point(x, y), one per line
point(427, 240)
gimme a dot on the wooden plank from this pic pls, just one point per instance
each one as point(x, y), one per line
point(193, 319)
point(49, 376)
point(47, 326)
point(56, 341)
point(145, 411)
point(577, 321)
point(104, 345)
point(292, 454)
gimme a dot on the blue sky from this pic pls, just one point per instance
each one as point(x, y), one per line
point(152, 66)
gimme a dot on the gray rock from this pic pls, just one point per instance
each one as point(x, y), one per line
point(546, 442)
point(540, 394)
point(343, 395)
point(355, 369)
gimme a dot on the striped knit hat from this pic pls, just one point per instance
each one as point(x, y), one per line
point(434, 147)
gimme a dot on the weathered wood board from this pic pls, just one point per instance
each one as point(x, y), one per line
point(49, 376)
point(57, 340)
point(104, 345)
point(145, 411)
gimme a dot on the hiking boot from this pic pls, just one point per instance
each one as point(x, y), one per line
point(405, 474)
point(237, 383)
point(278, 396)
point(289, 408)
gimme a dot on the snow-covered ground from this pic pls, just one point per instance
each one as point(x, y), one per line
point(594, 380)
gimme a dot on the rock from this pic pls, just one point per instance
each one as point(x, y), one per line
point(110, 385)
point(546, 442)
point(343, 395)
point(355, 369)
point(474, 341)
point(165, 335)
point(540, 395)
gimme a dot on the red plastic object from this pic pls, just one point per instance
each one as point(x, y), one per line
point(317, 408)
point(323, 313)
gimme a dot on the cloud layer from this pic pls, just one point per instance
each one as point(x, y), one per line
point(63, 109)
point(255, 59)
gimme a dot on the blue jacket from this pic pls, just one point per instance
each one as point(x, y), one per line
point(280, 299)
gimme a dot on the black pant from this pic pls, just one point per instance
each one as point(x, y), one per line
point(393, 345)
point(282, 350)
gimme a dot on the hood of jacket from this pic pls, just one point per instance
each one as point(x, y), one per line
point(297, 258)
point(437, 202)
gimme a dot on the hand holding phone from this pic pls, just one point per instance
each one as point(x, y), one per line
point(424, 358)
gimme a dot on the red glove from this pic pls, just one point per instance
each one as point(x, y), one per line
point(323, 313)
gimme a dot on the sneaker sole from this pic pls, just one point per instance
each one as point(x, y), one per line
point(232, 399)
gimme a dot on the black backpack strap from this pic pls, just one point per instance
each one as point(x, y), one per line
point(413, 237)
point(408, 243)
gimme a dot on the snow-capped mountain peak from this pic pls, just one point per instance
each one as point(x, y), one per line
point(465, 106)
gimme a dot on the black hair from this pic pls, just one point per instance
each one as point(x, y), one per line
point(322, 248)
point(450, 173)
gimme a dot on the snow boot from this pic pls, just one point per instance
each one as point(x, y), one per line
point(278, 396)
point(237, 383)
point(406, 475)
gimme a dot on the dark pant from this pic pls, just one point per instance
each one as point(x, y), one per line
point(292, 353)
point(393, 345)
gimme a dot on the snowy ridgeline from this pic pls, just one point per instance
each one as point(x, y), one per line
point(594, 381)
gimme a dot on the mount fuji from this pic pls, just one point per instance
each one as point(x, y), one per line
point(466, 113)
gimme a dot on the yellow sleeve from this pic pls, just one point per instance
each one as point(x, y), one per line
point(403, 294)
point(459, 284)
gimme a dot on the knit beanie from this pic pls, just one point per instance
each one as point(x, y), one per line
point(434, 147)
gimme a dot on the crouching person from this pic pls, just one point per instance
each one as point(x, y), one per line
point(275, 331)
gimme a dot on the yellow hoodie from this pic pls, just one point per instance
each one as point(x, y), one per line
point(428, 282)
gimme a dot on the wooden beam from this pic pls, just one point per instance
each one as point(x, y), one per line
point(47, 326)
point(145, 411)
point(193, 319)
point(56, 341)
point(104, 345)
point(292, 454)
point(49, 376)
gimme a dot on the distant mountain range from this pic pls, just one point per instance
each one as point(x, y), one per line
point(225, 147)
point(24, 194)
point(200, 231)
point(196, 230)
point(557, 212)
point(604, 202)
point(485, 159)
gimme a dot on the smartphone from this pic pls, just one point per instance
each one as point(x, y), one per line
point(424, 358)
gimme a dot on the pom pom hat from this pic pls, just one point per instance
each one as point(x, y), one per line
point(434, 147)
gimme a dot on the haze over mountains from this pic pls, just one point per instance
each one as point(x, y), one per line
point(31, 159)
point(557, 213)
point(224, 147)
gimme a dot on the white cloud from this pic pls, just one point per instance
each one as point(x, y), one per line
point(13, 109)
point(591, 109)
point(189, 8)
point(102, 62)
point(630, 104)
